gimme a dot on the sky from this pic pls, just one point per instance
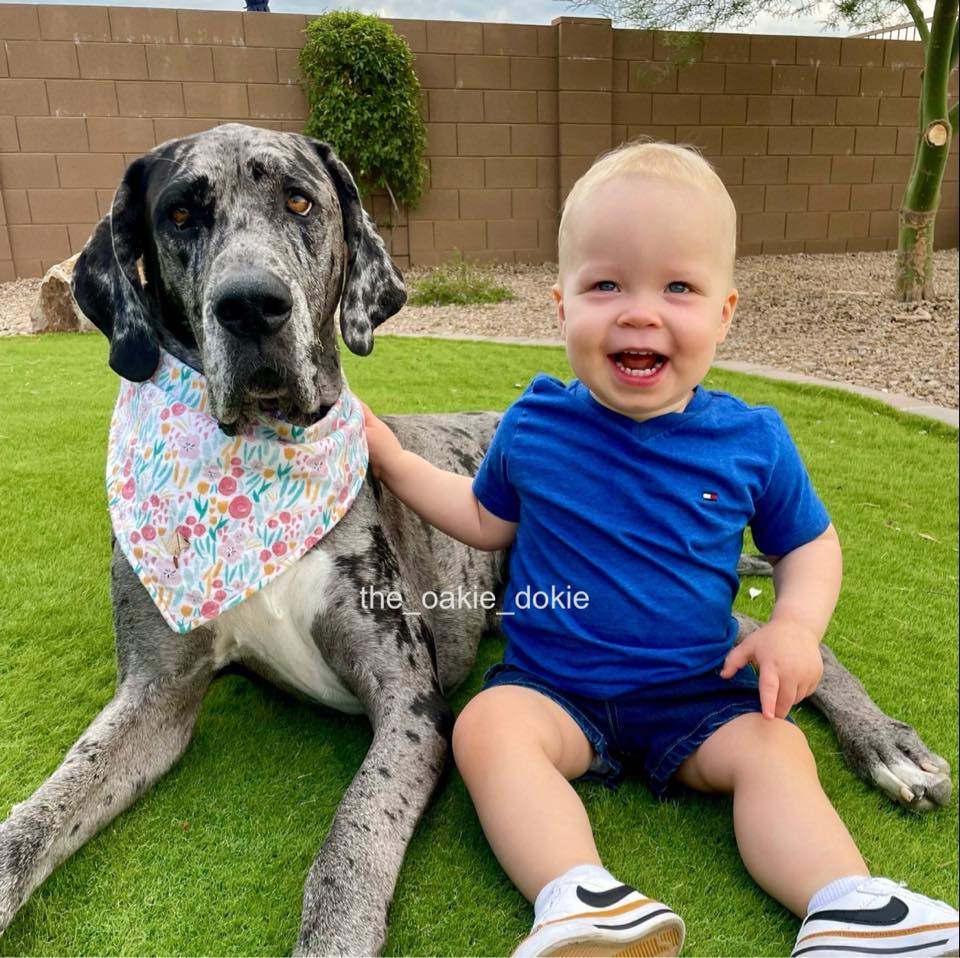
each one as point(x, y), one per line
point(490, 11)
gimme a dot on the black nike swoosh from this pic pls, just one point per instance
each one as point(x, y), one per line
point(892, 913)
point(604, 899)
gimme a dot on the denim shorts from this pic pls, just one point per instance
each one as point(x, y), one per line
point(649, 732)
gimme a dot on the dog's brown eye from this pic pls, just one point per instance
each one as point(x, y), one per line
point(180, 216)
point(299, 204)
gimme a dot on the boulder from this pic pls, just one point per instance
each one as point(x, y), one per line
point(56, 311)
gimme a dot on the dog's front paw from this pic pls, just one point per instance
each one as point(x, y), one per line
point(890, 755)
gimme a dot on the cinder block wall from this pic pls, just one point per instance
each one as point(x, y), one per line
point(813, 136)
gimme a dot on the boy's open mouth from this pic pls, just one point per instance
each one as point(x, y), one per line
point(638, 363)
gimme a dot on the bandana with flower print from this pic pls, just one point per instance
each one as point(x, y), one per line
point(206, 520)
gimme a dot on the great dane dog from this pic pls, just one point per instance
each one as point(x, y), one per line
point(272, 222)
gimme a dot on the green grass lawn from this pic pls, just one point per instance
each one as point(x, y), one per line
point(213, 859)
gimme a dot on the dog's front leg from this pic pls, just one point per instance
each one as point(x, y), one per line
point(350, 886)
point(137, 737)
point(127, 747)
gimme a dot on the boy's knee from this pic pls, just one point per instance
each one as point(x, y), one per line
point(503, 720)
point(464, 728)
point(474, 731)
point(749, 747)
point(771, 738)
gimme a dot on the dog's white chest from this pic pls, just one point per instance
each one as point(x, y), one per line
point(274, 626)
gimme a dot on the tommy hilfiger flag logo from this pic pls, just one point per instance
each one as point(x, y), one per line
point(709, 496)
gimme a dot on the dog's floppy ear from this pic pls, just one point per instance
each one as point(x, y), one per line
point(106, 284)
point(373, 290)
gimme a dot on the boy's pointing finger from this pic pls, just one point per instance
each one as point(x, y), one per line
point(769, 691)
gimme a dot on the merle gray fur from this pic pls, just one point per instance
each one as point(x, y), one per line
point(246, 289)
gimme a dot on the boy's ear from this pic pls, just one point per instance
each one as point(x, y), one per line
point(558, 299)
point(726, 314)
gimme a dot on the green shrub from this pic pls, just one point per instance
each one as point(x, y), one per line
point(358, 78)
point(459, 284)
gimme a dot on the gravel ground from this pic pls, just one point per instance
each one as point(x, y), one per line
point(831, 316)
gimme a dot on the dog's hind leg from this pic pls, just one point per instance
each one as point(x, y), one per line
point(137, 737)
point(881, 750)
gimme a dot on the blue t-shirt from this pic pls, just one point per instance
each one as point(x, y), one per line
point(646, 520)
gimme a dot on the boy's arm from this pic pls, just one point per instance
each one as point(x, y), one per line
point(807, 583)
point(444, 499)
point(786, 650)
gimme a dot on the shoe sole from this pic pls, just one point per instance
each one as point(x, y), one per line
point(940, 954)
point(662, 943)
point(880, 944)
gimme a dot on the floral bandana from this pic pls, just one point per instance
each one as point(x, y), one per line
point(207, 520)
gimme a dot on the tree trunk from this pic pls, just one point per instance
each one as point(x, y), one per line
point(921, 198)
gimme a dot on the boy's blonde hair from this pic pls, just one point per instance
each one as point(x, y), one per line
point(663, 161)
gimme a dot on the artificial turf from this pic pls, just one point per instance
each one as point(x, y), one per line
point(212, 860)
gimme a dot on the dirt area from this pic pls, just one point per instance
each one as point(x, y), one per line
point(831, 316)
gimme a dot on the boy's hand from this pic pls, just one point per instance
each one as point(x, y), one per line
point(383, 445)
point(787, 656)
point(444, 499)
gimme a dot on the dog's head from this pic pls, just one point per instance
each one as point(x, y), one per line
point(232, 250)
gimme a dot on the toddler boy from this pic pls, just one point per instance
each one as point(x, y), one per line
point(633, 485)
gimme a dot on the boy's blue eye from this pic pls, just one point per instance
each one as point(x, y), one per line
point(607, 285)
point(677, 287)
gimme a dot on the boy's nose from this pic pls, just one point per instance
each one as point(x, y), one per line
point(639, 313)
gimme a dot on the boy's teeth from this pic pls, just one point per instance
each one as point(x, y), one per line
point(638, 363)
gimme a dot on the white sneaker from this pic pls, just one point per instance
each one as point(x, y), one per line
point(880, 917)
point(614, 921)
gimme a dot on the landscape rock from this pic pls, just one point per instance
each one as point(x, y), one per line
point(55, 310)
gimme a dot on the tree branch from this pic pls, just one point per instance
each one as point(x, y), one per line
point(952, 116)
point(916, 14)
point(953, 48)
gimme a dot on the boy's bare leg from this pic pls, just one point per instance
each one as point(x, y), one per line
point(517, 750)
point(791, 840)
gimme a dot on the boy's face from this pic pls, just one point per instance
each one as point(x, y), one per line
point(645, 292)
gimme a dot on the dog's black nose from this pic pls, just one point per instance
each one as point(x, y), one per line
point(253, 306)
